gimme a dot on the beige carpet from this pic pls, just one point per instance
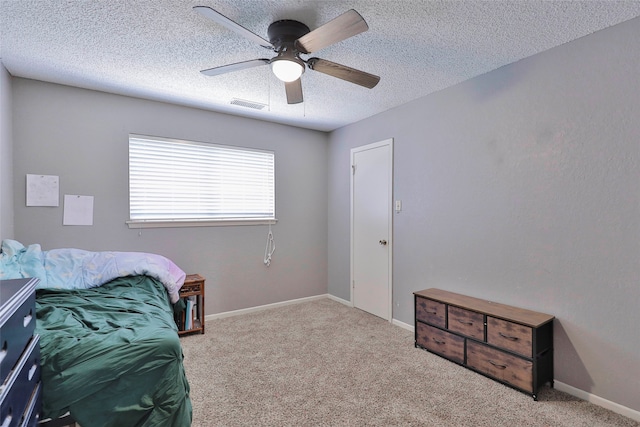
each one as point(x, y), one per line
point(322, 363)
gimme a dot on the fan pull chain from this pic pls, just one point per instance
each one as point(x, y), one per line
point(269, 91)
point(270, 248)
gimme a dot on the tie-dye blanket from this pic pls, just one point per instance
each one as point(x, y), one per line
point(79, 269)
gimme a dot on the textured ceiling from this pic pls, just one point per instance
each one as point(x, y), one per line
point(155, 49)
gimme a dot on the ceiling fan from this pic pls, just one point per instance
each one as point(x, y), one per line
point(289, 39)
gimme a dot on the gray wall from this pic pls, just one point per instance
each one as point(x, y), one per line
point(82, 136)
point(6, 156)
point(522, 186)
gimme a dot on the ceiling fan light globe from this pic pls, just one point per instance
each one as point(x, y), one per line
point(287, 70)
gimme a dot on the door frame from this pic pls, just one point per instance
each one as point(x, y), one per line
point(386, 142)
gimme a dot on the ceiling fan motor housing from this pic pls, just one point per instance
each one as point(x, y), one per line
point(284, 33)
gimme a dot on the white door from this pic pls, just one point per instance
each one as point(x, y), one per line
point(371, 227)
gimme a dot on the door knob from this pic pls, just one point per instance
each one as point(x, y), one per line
point(383, 242)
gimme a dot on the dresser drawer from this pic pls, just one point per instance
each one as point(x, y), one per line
point(15, 333)
point(500, 365)
point(431, 311)
point(510, 336)
point(433, 339)
point(466, 322)
point(31, 415)
point(20, 384)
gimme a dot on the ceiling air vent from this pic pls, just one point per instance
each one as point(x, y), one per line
point(248, 104)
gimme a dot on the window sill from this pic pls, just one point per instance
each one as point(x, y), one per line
point(198, 223)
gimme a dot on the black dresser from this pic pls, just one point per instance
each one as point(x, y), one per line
point(21, 389)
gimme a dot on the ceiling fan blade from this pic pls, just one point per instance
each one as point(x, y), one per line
point(344, 26)
point(343, 72)
point(219, 18)
point(223, 69)
point(294, 92)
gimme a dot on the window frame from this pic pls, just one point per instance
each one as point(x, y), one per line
point(197, 222)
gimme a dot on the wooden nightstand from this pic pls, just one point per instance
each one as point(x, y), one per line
point(192, 292)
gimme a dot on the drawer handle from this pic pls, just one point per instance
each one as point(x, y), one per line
point(465, 322)
point(497, 365)
point(32, 371)
point(438, 341)
point(27, 319)
point(3, 352)
point(7, 420)
point(509, 337)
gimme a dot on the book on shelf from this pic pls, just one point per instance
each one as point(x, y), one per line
point(189, 312)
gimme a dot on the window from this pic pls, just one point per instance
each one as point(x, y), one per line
point(182, 183)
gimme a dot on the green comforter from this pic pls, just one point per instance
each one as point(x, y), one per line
point(111, 355)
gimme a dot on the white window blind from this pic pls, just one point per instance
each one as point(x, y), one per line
point(173, 180)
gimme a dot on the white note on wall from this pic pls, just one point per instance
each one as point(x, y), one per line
point(43, 190)
point(78, 210)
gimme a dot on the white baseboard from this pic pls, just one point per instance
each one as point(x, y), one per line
point(393, 321)
point(403, 325)
point(340, 300)
point(262, 307)
point(296, 301)
point(596, 400)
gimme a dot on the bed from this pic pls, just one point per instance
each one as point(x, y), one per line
point(110, 353)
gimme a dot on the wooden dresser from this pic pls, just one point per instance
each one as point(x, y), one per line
point(20, 389)
point(508, 344)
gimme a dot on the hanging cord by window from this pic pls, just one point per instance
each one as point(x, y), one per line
point(270, 248)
